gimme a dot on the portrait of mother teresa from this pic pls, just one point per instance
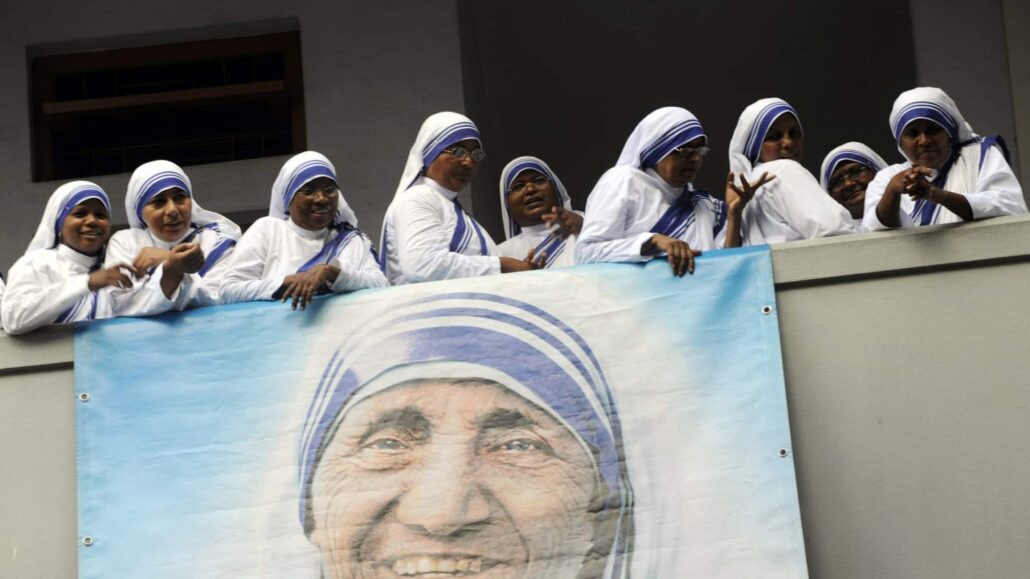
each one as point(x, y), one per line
point(465, 435)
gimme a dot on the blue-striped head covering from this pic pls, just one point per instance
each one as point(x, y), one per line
point(931, 104)
point(59, 206)
point(853, 151)
point(657, 134)
point(437, 133)
point(751, 129)
point(511, 172)
point(491, 338)
point(155, 177)
point(296, 172)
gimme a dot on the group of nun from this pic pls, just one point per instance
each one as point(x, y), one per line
point(175, 254)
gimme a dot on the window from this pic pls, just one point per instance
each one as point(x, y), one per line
point(105, 112)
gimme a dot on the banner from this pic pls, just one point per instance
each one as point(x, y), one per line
point(606, 421)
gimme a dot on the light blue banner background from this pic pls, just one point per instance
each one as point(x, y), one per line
point(187, 446)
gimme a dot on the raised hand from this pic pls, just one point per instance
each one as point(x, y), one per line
point(567, 222)
point(737, 197)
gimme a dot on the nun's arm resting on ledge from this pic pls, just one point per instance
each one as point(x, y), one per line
point(423, 245)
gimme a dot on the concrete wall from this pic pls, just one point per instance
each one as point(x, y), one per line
point(372, 73)
point(906, 371)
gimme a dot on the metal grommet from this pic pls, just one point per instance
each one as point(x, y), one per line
point(784, 452)
point(84, 396)
point(767, 310)
point(87, 541)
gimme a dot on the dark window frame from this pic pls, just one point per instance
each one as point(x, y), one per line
point(47, 111)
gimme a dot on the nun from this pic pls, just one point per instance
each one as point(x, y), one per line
point(427, 235)
point(537, 214)
point(846, 173)
point(950, 175)
point(768, 141)
point(163, 213)
point(647, 206)
point(59, 280)
point(308, 244)
point(424, 451)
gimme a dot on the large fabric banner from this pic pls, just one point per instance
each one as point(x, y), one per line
point(607, 421)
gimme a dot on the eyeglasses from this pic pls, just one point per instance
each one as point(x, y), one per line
point(520, 185)
point(685, 151)
point(459, 153)
point(852, 175)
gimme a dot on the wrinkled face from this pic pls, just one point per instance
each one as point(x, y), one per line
point(848, 183)
point(451, 172)
point(783, 141)
point(925, 143)
point(681, 165)
point(87, 227)
point(531, 195)
point(168, 213)
point(313, 207)
point(442, 479)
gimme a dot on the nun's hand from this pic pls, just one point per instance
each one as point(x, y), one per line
point(532, 261)
point(114, 276)
point(149, 258)
point(917, 183)
point(183, 259)
point(681, 256)
point(301, 288)
point(567, 222)
point(737, 197)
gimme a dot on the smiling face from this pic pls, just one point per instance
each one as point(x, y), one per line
point(87, 228)
point(925, 143)
point(451, 172)
point(531, 195)
point(681, 165)
point(848, 183)
point(313, 207)
point(167, 214)
point(783, 141)
point(436, 478)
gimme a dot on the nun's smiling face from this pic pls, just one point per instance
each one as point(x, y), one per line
point(530, 196)
point(455, 167)
point(452, 478)
point(681, 165)
point(314, 205)
point(848, 183)
point(167, 214)
point(87, 227)
point(784, 140)
point(925, 143)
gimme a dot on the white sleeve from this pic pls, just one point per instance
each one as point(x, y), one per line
point(804, 206)
point(144, 299)
point(239, 279)
point(358, 269)
point(874, 192)
point(603, 237)
point(997, 189)
point(120, 249)
point(37, 295)
point(423, 246)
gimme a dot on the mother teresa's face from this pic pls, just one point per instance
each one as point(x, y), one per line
point(443, 479)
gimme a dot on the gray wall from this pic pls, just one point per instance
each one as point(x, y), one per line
point(906, 372)
point(372, 72)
